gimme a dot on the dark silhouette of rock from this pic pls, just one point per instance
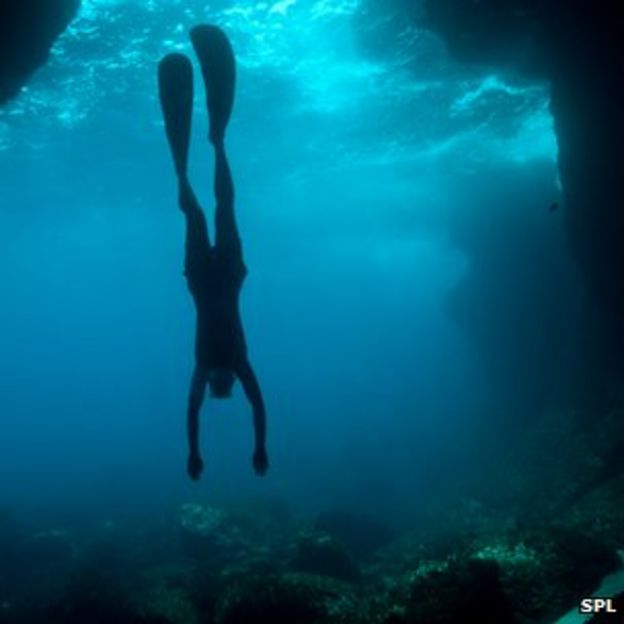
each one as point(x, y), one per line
point(87, 609)
point(545, 569)
point(595, 508)
point(522, 575)
point(463, 593)
point(579, 47)
point(288, 599)
point(28, 28)
point(519, 293)
point(320, 553)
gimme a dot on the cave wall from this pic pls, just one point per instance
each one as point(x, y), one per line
point(518, 298)
point(587, 87)
point(28, 28)
point(579, 47)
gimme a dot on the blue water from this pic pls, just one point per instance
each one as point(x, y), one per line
point(359, 176)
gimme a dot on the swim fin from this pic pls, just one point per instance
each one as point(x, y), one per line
point(218, 65)
point(175, 84)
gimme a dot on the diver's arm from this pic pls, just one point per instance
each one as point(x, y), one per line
point(192, 429)
point(252, 390)
point(195, 464)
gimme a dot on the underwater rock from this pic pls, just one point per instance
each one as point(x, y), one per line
point(201, 520)
point(600, 514)
point(92, 611)
point(227, 544)
point(158, 595)
point(267, 529)
point(579, 48)
point(201, 530)
point(166, 595)
point(454, 525)
point(171, 605)
point(41, 567)
point(527, 481)
point(322, 554)
point(460, 592)
point(545, 570)
point(520, 576)
point(289, 599)
point(28, 29)
point(507, 33)
point(361, 535)
point(256, 560)
point(515, 256)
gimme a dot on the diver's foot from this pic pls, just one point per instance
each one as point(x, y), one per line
point(194, 467)
point(260, 462)
point(218, 66)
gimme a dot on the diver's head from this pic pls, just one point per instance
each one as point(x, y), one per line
point(221, 381)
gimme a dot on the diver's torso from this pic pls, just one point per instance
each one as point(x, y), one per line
point(219, 338)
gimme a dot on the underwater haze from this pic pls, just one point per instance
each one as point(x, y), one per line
point(382, 206)
point(432, 307)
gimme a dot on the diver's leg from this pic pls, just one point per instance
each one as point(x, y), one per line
point(195, 464)
point(226, 237)
point(218, 65)
point(197, 245)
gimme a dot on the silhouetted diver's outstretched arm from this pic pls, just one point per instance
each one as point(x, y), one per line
point(248, 379)
point(197, 248)
point(196, 398)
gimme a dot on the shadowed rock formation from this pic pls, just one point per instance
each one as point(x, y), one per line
point(28, 28)
point(579, 47)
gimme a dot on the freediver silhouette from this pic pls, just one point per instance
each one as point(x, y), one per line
point(214, 273)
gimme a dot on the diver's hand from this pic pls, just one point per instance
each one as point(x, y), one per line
point(194, 467)
point(260, 462)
